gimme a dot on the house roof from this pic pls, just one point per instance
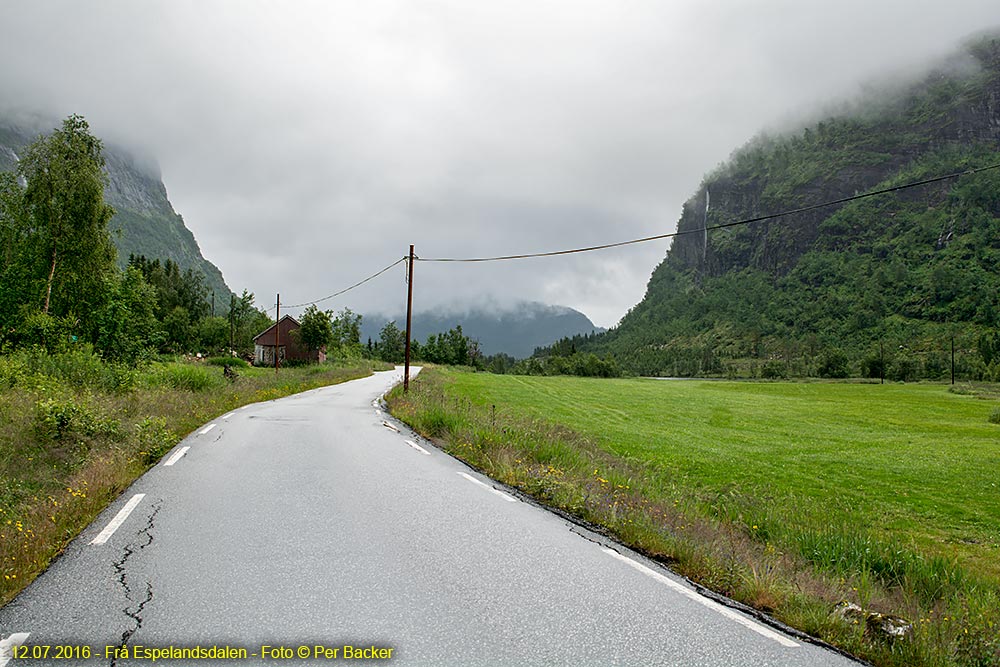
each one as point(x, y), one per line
point(273, 326)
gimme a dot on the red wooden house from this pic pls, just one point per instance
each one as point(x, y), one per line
point(290, 348)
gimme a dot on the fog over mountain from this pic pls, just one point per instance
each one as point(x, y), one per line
point(145, 222)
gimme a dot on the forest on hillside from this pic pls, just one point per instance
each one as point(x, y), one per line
point(882, 286)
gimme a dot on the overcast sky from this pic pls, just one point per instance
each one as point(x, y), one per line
point(307, 144)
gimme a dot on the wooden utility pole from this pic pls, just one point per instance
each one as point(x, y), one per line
point(409, 320)
point(277, 330)
point(232, 316)
point(953, 360)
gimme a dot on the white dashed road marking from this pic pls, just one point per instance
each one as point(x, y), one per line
point(177, 456)
point(206, 429)
point(119, 519)
point(510, 499)
point(417, 447)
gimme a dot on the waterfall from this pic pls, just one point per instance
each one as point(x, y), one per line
point(704, 229)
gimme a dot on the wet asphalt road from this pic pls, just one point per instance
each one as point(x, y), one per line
point(307, 522)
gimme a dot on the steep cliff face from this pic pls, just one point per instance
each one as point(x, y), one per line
point(907, 266)
point(956, 107)
point(145, 222)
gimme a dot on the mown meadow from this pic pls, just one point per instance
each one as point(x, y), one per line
point(75, 431)
point(867, 515)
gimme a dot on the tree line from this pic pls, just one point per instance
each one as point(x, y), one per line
point(340, 335)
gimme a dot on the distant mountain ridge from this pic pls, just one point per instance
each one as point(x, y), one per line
point(516, 330)
point(145, 222)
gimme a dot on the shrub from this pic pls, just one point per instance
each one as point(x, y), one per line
point(13, 371)
point(873, 366)
point(120, 377)
point(774, 370)
point(833, 364)
point(904, 369)
point(79, 367)
point(58, 418)
point(43, 330)
point(154, 439)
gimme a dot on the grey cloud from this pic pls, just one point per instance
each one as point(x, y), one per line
point(349, 130)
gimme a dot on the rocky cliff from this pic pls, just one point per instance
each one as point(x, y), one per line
point(956, 107)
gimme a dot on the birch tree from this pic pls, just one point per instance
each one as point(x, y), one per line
point(73, 252)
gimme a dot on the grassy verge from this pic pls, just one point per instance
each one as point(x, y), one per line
point(795, 498)
point(75, 432)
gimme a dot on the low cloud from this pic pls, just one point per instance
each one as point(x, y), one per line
point(308, 144)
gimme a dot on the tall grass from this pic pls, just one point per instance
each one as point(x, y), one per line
point(76, 431)
point(783, 557)
point(185, 377)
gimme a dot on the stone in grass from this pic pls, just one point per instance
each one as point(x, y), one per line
point(882, 626)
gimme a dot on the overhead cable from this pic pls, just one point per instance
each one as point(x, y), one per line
point(702, 230)
point(346, 289)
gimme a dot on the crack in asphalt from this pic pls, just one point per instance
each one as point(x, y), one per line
point(599, 543)
point(120, 569)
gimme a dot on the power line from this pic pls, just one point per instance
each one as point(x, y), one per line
point(657, 237)
point(702, 230)
point(346, 289)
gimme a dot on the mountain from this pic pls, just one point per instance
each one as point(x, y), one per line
point(145, 222)
point(880, 284)
point(516, 331)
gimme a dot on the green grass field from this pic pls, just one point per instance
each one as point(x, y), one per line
point(911, 461)
point(791, 497)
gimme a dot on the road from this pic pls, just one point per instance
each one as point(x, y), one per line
point(316, 520)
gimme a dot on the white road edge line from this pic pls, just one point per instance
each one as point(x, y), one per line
point(206, 429)
point(378, 412)
point(510, 499)
point(119, 519)
point(177, 456)
point(7, 646)
point(388, 425)
point(701, 599)
point(228, 415)
point(417, 447)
